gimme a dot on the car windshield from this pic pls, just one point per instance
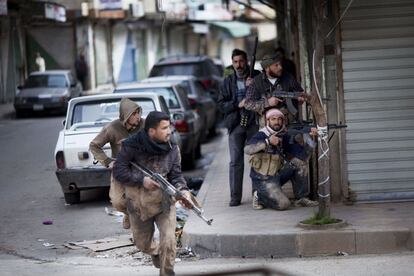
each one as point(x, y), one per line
point(168, 94)
point(194, 69)
point(46, 81)
point(97, 113)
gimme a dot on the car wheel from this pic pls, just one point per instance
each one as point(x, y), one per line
point(212, 131)
point(189, 160)
point(198, 151)
point(72, 198)
point(20, 113)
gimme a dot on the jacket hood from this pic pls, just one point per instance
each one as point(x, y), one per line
point(126, 108)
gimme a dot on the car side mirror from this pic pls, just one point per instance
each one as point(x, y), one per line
point(63, 122)
point(20, 87)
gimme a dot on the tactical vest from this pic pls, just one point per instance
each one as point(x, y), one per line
point(266, 164)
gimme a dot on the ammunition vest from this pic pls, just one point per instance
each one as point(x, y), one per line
point(266, 163)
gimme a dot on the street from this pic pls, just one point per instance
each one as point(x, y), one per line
point(31, 194)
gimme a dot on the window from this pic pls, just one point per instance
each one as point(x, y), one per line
point(101, 112)
point(194, 69)
point(166, 92)
point(46, 81)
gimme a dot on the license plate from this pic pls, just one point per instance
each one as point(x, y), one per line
point(38, 107)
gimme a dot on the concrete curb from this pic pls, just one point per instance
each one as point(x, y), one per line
point(244, 232)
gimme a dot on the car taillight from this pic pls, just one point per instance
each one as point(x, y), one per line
point(181, 126)
point(194, 104)
point(206, 83)
point(60, 160)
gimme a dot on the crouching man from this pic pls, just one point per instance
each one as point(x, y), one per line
point(270, 168)
point(129, 122)
point(147, 204)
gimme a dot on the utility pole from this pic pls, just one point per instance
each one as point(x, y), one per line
point(319, 27)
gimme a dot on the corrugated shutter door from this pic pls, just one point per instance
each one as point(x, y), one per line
point(378, 71)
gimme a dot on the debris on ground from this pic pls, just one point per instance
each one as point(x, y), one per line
point(341, 253)
point(102, 244)
point(46, 244)
point(113, 212)
point(48, 222)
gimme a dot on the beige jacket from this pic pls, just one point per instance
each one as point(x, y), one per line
point(114, 133)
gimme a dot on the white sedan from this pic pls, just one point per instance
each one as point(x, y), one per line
point(76, 168)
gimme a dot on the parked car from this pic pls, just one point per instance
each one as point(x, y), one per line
point(201, 67)
point(49, 90)
point(200, 100)
point(186, 121)
point(75, 166)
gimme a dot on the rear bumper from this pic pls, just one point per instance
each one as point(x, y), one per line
point(80, 179)
point(40, 106)
point(189, 142)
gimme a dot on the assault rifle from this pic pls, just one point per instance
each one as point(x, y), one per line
point(253, 61)
point(168, 188)
point(289, 96)
point(305, 127)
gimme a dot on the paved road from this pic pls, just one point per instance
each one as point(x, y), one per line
point(30, 194)
point(363, 265)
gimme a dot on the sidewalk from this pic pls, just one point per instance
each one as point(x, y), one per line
point(242, 231)
point(6, 110)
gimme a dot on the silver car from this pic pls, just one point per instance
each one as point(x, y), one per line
point(186, 121)
point(75, 166)
point(49, 90)
point(200, 100)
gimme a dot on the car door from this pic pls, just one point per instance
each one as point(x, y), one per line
point(207, 103)
point(192, 118)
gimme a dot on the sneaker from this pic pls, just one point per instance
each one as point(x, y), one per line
point(156, 260)
point(125, 222)
point(305, 202)
point(255, 202)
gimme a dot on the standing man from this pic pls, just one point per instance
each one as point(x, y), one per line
point(147, 204)
point(40, 63)
point(240, 123)
point(271, 169)
point(259, 94)
point(81, 68)
point(129, 122)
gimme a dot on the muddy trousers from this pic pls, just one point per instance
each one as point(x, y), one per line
point(269, 189)
point(117, 196)
point(143, 234)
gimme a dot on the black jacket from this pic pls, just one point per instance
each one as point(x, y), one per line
point(262, 89)
point(228, 103)
point(167, 164)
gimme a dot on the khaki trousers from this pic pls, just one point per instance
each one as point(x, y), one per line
point(143, 234)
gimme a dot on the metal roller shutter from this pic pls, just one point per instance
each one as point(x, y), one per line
point(378, 72)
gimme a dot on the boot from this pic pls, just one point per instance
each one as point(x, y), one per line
point(125, 222)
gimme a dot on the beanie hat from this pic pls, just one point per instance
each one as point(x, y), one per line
point(268, 60)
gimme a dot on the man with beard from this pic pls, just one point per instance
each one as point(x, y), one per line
point(114, 133)
point(147, 204)
point(270, 169)
point(259, 93)
point(240, 123)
